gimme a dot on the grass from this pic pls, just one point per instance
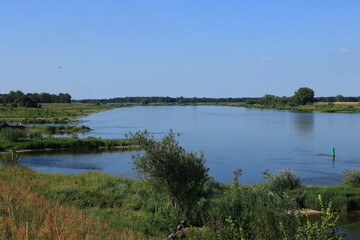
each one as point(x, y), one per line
point(123, 206)
point(53, 113)
point(344, 198)
point(29, 215)
point(65, 143)
point(57, 129)
point(337, 107)
point(316, 107)
point(116, 202)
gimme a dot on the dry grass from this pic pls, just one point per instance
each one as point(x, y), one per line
point(337, 103)
point(26, 215)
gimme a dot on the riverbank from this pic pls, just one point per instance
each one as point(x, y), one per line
point(52, 113)
point(128, 205)
point(336, 107)
point(67, 143)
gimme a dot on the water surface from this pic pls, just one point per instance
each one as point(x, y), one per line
point(231, 138)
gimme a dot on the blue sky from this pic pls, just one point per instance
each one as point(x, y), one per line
point(180, 47)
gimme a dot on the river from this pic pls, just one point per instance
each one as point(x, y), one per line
point(231, 138)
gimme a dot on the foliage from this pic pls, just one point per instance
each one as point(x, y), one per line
point(250, 212)
point(344, 198)
point(322, 228)
point(272, 100)
point(11, 158)
point(169, 168)
point(351, 177)
point(32, 98)
point(12, 134)
point(65, 143)
point(303, 96)
point(285, 179)
point(231, 230)
point(63, 128)
point(25, 101)
point(204, 233)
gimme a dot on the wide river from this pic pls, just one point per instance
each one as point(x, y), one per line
point(231, 138)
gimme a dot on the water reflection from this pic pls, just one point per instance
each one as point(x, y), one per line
point(350, 224)
point(304, 124)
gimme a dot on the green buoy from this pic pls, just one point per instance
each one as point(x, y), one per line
point(333, 151)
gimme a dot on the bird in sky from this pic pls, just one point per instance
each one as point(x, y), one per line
point(59, 67)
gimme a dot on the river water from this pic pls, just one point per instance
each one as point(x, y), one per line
point(231, 138)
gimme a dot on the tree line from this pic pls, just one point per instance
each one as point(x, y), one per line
point(147, 100)
point(20, 99)
point(302, 96)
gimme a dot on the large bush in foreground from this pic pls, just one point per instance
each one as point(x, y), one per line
point(169, 168)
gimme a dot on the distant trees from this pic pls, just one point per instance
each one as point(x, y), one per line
point(303, 96)
point(166, 100)
point(272, 100)
point(25, 101)
point(18, 98)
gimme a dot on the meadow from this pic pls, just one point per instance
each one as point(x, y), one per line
point(51, 113)
point(94, 205)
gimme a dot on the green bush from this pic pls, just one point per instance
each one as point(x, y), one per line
point(12, 134)
point(204, 233)
point(285, 179)
point(323, 227)
point(171, 169)
point(351, 177)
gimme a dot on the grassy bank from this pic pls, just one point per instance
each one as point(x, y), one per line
point(32, 138)
point(57, 129)
point(316, 107)
point(133, 208)
point(53, 113)
point(65, 143)
point(337, 107)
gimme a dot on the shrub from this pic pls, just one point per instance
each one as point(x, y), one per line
point(12, 134)
point(204, 233)
point(323, 227)
point(351, 177)
point(286, 179)
point(169, 168)
point(35, 134)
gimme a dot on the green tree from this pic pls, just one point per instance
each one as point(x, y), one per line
point(339, 98)
point(303, 96)
point(169, 168)
point(25, 101)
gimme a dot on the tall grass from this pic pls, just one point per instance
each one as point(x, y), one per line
point(64, 143)
point(12, 134)
point(26, 215)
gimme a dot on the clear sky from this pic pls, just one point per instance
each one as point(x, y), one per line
point(202, 48)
